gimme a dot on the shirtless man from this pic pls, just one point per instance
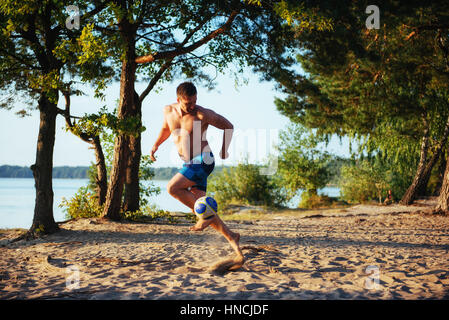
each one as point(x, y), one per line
point(188, 122)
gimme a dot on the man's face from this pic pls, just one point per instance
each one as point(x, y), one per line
point(187, 103)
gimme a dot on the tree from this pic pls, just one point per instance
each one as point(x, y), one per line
point(363, 181)
point(30, 31)
point(386, 88)
point(301, 165)
point(90, 128)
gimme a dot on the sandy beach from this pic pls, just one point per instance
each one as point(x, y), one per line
point(362, 252)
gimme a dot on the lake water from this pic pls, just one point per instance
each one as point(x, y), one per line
point(17, 197)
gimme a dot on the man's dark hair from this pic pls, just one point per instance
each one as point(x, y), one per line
point(186, 89)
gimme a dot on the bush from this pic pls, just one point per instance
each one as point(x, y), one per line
point(149, 213)
point(364, 182)
point(84, 204)
point(244, 184)
point(311, 200)
point(302, 165)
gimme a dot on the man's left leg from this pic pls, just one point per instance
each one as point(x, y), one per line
point(179, 187)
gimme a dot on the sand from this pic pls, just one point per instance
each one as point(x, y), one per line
point(363, 252)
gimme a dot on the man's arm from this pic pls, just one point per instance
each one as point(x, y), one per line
point(163, 135)
point(221, 122)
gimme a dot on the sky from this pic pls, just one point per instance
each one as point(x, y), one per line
point(250, 107)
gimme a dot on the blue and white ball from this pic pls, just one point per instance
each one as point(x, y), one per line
point(205, 207)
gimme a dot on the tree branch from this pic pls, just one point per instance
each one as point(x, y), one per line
point(24, 60)
point(138, 37)
point(83, 136)
point(155, 79)
point(36, 46)
point(169, 62)
point(174, 44)
point(239, 43)
point(431, 27)
point(443, 48)
point(196, 45)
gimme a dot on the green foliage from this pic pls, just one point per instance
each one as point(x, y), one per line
point(83, 204)
point(297, 13)
point(311, 200)
point(15, 172)
point(48, 82)
point(66, 172)
point(245, 184)
point(39, 53)
point(302, 166)
point(364, 182)
point(334, 166)
point(301, 16)
point(99, 123)
point(146, 174)
point(76, 205)
point(151, 212)
point(92, 47)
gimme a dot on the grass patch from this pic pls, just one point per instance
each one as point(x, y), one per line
point(2, 231)
point(239, 212)
point(246, 216)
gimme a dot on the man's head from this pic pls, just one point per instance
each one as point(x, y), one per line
point(186, 93)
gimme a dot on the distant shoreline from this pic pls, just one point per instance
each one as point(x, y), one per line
point(78, 172)
point(65, 172)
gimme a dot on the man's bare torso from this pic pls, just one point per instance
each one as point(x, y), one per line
point(188, 130)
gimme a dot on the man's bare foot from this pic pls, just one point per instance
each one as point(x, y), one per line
point(239, 259)
point(195, 228)
point(201, 224)
point(238, 263)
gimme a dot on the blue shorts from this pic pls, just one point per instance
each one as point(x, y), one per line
point(198, 169)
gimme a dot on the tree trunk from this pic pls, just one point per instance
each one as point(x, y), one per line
point(43, 220)
point(126, 106)
point(132, 189)
point(422, 186)
point(101, 179)
point(443, 199)
point(441, 169)
point(412, 191)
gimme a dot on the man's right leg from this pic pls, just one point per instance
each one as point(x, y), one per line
point(232, 237)
point(218, 224)
point(178, 186)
